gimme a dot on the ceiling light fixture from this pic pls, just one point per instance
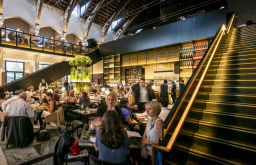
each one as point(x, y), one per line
point(222, 7)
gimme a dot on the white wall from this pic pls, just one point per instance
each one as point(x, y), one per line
point(16, 23)
point(50, 17)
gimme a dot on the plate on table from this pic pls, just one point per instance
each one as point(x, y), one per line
point(93, 139)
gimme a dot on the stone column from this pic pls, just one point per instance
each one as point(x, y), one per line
point(37, 62)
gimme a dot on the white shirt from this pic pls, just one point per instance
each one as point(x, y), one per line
point(9, 101)
point(46, 85)
point(20, 108)
point(143, 94)
point(29, 94)
point(164, 113)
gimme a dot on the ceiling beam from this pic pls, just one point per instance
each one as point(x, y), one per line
point(39, 10)
point(120, 32)
point(90, 3)
point(91, 18)
point(68, 13)
point(112, 18)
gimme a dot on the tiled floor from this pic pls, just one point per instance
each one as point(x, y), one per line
point(15, 155)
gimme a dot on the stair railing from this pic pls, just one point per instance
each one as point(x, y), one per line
point(193, 86)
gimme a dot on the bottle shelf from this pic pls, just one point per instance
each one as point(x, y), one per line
point(186, 60)
point(186, 51)
point(200, 49)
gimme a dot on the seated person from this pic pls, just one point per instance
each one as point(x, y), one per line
point(20, 107)
point(51, 108)
point(56, 96)
point(71, 99)
point(96, 97)
point(121, 92)
point(163, 102)
point(111, 102)
point(9, 101)
point(153, 130)
point(112, 138)
point(84, 99)
point(127, 115)
point(29, 92)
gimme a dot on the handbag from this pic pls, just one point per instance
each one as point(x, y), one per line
point(74, 148)
point(43, 135)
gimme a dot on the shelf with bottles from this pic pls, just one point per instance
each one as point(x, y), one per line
point(186, 57)
point(198, 55)
point(195, 64)
point(186, 65)
point(200, 45)
point(186, 73)
point(185, 49)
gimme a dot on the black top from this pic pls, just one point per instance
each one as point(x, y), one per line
point(55, 107)
point(182, 86)
point(174, 90)
point(43, 84)
point(103, 108)
point(164, 90)
point(71, 103)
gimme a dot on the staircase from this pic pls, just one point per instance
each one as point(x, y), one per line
point(221, 125)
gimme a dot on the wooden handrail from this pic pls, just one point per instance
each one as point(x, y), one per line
point(213, 47)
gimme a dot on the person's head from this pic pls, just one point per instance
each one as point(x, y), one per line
point(94, 92)
point(124, 103)
point(127, 90)
point(163, 102)
point(67, 93)
point(181, 81)
point(23, 96)
point(49, 96)
point(110, 90)
point(152, 108)
point(142, 82)
point(106, 83)
point(173, 83)
point(21, 91)
point(1, 90)
point(165, 81)
point(111, 99)
point(121, 89)
point(28, 89)
point(71, 94)
point(113, 134)
point(32, 88)
point(85, 96)
point(45, 91)
point(43, 81)
point(66, 81)
point(56, 91)
point(93, 82)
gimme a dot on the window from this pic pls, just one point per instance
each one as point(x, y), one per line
point(115, 22)
point(14, 70)
point(75, 11)
point(83, 8)
point(138, 31)
point(41, 66)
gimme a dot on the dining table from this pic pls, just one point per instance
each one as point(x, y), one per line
point(86, 114)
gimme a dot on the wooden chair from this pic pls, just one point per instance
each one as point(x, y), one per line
point(51, 118)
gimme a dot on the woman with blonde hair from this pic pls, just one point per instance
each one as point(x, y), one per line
point(111, 104)
point(153, 130)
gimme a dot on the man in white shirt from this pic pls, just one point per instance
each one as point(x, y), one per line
point(9, 101)
point(20, 107)
point(163, 102)
point(96, 97)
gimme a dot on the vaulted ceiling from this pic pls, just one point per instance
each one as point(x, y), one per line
point(151, 13)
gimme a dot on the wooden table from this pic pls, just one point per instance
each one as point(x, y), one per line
point(85, 114)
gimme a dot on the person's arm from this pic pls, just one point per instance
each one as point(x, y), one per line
point(131, 122)
point(46, 85)
point(39, 86)
point(66, 99)
point(96, 144)
point(144, 152)
point(51, 107)
point(30, 111)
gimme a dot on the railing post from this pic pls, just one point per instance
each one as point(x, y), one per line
point(30, 40)
point(16, 38)
point(1, 36)
point(43, 44)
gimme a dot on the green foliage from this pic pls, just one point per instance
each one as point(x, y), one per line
point(78, 88)
point(80, 74)
point(80, 61)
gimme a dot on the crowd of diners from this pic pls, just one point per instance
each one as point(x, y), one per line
point(112, 117)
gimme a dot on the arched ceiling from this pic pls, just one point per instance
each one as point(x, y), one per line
point(152, 13)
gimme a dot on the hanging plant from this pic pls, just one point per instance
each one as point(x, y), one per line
point(80, 61)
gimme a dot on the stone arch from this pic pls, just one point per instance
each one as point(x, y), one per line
point(73, 38)
point(15, 24)
point(50, 31)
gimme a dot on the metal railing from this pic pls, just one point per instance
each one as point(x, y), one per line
point(15, 38)
point(190, 92)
